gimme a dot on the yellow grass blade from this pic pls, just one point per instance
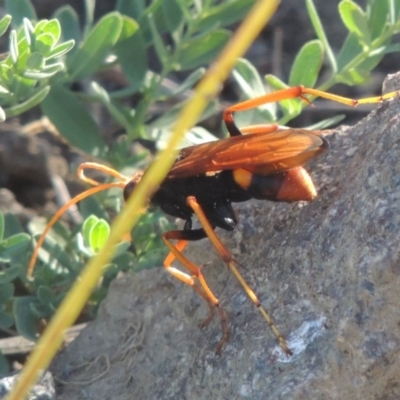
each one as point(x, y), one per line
point(80, 292)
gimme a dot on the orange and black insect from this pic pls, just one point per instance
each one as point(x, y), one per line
point(258, 161)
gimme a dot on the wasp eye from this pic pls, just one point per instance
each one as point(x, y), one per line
point(130, 186)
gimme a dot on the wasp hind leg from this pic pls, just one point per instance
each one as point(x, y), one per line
point(195, 279)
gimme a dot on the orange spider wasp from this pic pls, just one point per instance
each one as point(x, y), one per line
point(257, 161)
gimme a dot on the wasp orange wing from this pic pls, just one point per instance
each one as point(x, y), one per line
point(262, 154)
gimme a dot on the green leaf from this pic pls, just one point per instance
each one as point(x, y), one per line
point(25, 319)
point(4, 24)
point(54, 257)
point(251, 85)
point(378, 17)
point(193, 78)
point(14, 52)
point(40, 310)
point(151, 259)
point(46, 296)
point(46, 72)
point(1, 226)
point(20, 9)
point(73, 121)
point(131, 8)
point(392, 48)
point(248, 78)
point(355, 20)
point(201, 51)
point(19, 69)
point(131, 52)
point(352, 76)
point(3, 89)
point(349, 51)
point(6, 322)
point(92, 206)
point(124, 262)
point(153, 12)
point(172, 14)
point(87, 227)
point(15, 244)
point(320, 32)
point(394, 11)
point(96, 46)
point(6, 292)
point(61, 49)
point(26, 105)
point(70, 28)
point(369, 63)
point(35, 61)
point(28, 32)
point(9, 274)
point(99, 235)
point(307, 64)
point(34, 31)
point(168, 118)
point(12, 225)
point(53, 28)
point(44, 43)
point(121, 248)
point(116, 110)
point(89, 6)
point(224, 14)
point(161, 49)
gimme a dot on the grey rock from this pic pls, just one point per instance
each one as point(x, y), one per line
point(43, 390)
point(327, 271)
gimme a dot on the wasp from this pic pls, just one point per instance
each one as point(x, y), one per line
point(255, 162)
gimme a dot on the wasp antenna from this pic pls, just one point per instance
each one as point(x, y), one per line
point(98, 167)
point(61, 211)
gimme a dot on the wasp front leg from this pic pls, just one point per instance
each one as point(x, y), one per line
point(191, 279)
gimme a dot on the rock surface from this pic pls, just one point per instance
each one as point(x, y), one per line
point(43, 390)
point(328, 272)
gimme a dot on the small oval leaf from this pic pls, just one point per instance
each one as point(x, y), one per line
point(4, 24)
point(73, 121)
point(20, 9)
point(25, 319)
point(99, 235)
point(203, 50)
point(132, 55)
point(27, 104)
point(355, 20)
point(96, 46)
point(9, 274)
point(1, 226)
point(307, 64)
point(89, 223)
point(6, 292)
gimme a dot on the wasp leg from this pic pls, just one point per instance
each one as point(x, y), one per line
point(300, 92)
point(203, 289)
point(230, 262)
